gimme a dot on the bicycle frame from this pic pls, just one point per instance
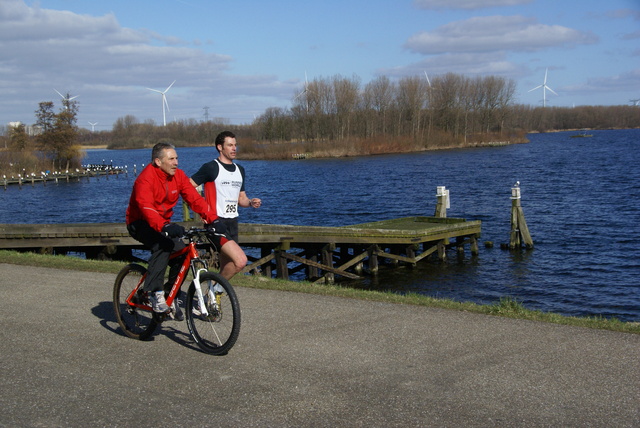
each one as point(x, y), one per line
point(191, 260)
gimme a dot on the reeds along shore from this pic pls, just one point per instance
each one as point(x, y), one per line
point(332, 149)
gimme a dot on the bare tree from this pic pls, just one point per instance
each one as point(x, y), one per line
point(346, 94)
point(378, 95)
point(445, 102)
point(411, 99)
point(275, 124)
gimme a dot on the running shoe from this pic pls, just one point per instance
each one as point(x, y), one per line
point(158, 302)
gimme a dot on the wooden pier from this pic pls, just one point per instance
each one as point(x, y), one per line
point(322, 253)
point(86, 172)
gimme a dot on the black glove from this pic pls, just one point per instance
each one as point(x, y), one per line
point(173, 230)
point(217, 227)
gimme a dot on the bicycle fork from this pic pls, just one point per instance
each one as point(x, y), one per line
point(213, 294)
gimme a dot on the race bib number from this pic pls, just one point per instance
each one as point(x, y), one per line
point(231, 209)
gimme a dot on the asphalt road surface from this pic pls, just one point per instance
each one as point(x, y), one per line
point(302, 360)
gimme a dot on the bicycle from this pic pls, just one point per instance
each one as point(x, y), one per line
point(212, 310)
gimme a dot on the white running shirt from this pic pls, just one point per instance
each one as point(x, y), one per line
point(228, 185)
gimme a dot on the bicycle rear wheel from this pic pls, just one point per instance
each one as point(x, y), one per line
point(135, 322)
point(216, 332)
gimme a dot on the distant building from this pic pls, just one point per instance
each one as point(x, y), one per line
point(31, 130)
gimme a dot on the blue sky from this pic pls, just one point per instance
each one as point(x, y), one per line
point(240, 57)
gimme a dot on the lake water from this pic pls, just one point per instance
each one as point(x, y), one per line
point(580, 196)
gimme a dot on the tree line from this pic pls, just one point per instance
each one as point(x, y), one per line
point(449, 109)
point(413, 113)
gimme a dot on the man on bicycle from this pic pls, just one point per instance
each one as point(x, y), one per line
point(154, 195)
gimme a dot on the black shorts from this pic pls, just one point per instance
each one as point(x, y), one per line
point(232, 227)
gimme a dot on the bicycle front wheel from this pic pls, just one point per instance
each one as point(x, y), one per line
point(216, 326)
point(135, 321)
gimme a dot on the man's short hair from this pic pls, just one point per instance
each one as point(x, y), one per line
point(156, 152)
point(221, 137)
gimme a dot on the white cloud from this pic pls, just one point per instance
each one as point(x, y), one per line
point(109, 67)
point(96, 47)
point(493, 63)
point(495, 33)
point(24, 24)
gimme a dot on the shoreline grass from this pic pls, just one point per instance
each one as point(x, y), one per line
point(506, 307)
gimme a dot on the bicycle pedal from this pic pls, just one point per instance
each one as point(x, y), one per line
point(173, 316)
point(160, 316)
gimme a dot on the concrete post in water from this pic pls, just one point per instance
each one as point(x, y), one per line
point(442, 193)
point(186, 214)
point(443, 203)
point(519, 230)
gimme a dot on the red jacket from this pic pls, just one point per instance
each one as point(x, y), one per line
point(155, 193)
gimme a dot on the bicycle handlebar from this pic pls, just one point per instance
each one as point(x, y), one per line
point(195, 233)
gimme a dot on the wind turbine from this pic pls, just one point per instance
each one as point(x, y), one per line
point(93, 126)
point(164, 101)
point(635, 102)
point(427, 76)
point(544, 89)
point(306, 86)
point(65, 100)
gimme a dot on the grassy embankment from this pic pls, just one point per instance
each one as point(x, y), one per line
point(507, 307)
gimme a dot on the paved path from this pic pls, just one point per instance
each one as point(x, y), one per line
point(302, 360)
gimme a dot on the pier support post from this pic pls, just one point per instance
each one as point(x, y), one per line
point(312, 271)
point(265, 252)
point(327, 260)
point(411, 253)
point(282, 270)
point(442, 250)
point(519, 229)
point(373, 259)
